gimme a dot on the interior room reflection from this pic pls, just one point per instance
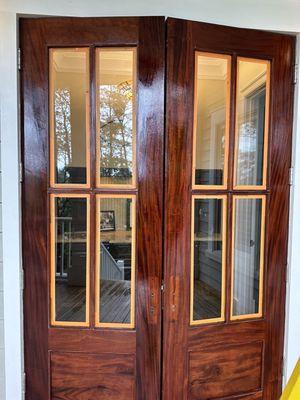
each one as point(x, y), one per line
point(207, 258)
point(116, 115)
point(71, 250)
point(250, 110)
point(116, 259)
point(247, 255)
point(212, 100)
point(69, 95)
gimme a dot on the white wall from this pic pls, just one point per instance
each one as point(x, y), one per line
point(2, 354)
point(277, 15)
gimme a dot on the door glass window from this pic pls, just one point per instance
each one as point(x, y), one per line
point(252, 110)
point(248, 255)
point(69, 116)
point(219, 175)
point(116, 114)
point(115, 264)
point(70, 260)
point(208, 258)
point(211, 119)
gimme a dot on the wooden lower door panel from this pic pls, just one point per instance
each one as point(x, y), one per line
point(225, 370)
point(82, 376)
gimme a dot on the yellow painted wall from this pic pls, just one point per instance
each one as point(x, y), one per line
point(292, 389)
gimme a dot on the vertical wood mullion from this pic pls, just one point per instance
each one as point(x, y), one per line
point(92, 147)
point(231, 162)
point(231, 157)
point(229, 229)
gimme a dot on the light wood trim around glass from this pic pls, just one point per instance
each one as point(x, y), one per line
point(227, 120)
point(262, 255)
point(53, 260)
point(134, 118)
point(266, 127)
point(52, 161)
point(224, 241)
point(98, 258)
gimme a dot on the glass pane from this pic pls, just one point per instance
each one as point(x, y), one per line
point(116, 226)
point(208, 258)
point(247, 256)
point(70, 259)
point(69, 98)
point(251, 121)
point(116, 116)
point(212, 97)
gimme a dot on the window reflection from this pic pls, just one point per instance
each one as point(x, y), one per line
point(69, 83)
point(116, 259)
point(208, 258)
point(252, 100)
point(70, 259)
point(116, 113)
point(212, 97)
point(248, 255)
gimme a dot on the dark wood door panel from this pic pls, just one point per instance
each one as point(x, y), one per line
point(76, 376)
point(37, 35)
point(184, 39)
point(105, 341)
point(225, 370)
point(213, 335)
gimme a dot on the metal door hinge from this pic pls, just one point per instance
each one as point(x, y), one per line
point(20, 172)
point(162, 289)
point(19, 59)
point(22, 279)
point(291, 176)
point(296, 71)
point(24, 386)
point(283, 367)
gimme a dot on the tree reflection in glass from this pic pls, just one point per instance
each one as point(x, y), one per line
point(115, 116)
point(62, 112)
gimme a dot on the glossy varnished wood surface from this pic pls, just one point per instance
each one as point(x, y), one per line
point(142, 345)
point(225, 370)
point(179, 340)
point(92, 376)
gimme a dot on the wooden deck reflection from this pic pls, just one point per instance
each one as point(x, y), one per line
point(114, 296)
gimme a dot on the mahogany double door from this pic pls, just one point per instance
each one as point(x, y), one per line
point(155, 208)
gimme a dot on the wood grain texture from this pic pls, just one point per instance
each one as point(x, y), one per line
point(178, 167)
point(36, 37)
point(150, 156)
point(184, 38)
point(88, 376)
point(225, 370)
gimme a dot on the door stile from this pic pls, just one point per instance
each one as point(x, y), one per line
point(150, 128)
point(179, 117)
point(282, 107)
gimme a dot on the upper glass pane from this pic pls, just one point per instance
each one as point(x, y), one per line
point(252, 103)
point(69, 101)
point(247, 255)
point(208, 259)
point(212, 101)
point(70, 260)
point(116, 260)
point(116, 113)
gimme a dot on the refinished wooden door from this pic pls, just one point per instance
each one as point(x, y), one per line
point(154, 269)
point(228, 146)
point(92, 112)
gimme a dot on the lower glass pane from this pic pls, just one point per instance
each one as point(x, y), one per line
point(247, 255)
point(70, 268)
point(208, 258)
point(116, 259)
